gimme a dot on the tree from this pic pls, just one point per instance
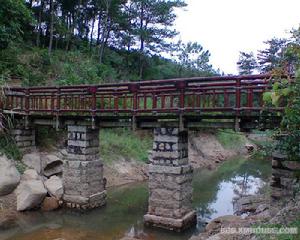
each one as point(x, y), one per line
point(247, 63)
point(14, 19)
point(51, 26)
point(192, 57)
point(152, 26)
point(273, 56)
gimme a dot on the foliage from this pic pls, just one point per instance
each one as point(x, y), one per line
point(192, 57)
point(15, 19)
point(124, 143)
point(284, 93)
point(247, 63)
point(9, 147)
point(273, 56)
point(265, 145)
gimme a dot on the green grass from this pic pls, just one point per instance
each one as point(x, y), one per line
point(116, 143)
point(11, 150)
point(230, 139)
point(9, 147)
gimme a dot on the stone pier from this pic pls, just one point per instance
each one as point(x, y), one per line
point(24, 137)
point(284, 177)
point(83, 170)
point(170, 181)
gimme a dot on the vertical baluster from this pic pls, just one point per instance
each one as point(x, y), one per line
point(145, 101)
point(154, 101)
point(172, 101)
point(204, 99)
point(198, 100)
point(116, 101)
point(226, 99)
point(52, 102)
point(163, 97)
point(27, 92)
point(125, 102)
point(238, 96)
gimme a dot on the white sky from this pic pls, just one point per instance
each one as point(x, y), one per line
point(226, 27)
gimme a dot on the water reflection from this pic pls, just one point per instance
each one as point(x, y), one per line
point(213, 195)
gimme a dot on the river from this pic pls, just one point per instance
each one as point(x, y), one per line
point(126, 205)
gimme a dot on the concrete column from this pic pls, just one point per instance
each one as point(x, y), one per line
point(83, 170)
point(170, 182)
point(24, 137)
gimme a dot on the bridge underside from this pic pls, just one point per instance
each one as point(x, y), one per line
point(243, 122)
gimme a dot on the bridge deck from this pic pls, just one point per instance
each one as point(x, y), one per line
point(148, 103)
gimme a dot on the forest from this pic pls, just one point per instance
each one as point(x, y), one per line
point(93, 41)
point(65, 42)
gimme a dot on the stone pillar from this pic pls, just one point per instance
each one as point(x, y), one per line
point(24, 137)
point(170, 181)
point(284, 177)
point(83, 170)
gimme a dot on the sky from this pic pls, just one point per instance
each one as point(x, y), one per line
point(226, 27)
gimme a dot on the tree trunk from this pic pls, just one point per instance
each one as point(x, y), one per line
point(51, 26)
point(39, 30)
point(99, 27)
point(92, 33)
point(105, 32)
point(141, 58)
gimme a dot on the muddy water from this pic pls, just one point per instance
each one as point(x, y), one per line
point(213, 194)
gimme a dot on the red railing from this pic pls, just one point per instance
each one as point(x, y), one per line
point(234, 94)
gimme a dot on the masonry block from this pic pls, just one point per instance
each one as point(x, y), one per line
point(283, 177)
point(24, 137)
point(170, 181)
point(83, 170)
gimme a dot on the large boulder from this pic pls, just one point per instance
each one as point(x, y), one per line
point(30, 194)
point(55, 187)
point(52, 165)
point(9, 176)
point(30, 174)
point(33, 161)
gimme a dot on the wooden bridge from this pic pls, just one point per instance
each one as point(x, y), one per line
point(197, 102)
point(171, 107)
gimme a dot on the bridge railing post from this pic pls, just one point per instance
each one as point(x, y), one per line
point(27, 106)
point(133, 88)
point(237, 103)
point(57, 108)
point(238, 96)
point(93, 109)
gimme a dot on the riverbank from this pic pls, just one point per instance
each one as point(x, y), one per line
point(205, 149)
point(126, 206)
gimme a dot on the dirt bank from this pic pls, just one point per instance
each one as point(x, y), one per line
point(205, 151)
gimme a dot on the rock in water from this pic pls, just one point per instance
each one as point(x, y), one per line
point(50, 204)
point(55, 187)
point(30, 194)
point(9, 176)
point(52, 165)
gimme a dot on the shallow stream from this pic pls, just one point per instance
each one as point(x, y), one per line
point(213, 195)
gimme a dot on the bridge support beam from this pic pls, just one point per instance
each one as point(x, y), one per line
point(170, 181)
point(83, 170)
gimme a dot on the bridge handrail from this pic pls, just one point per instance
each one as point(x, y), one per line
point(219, 93)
